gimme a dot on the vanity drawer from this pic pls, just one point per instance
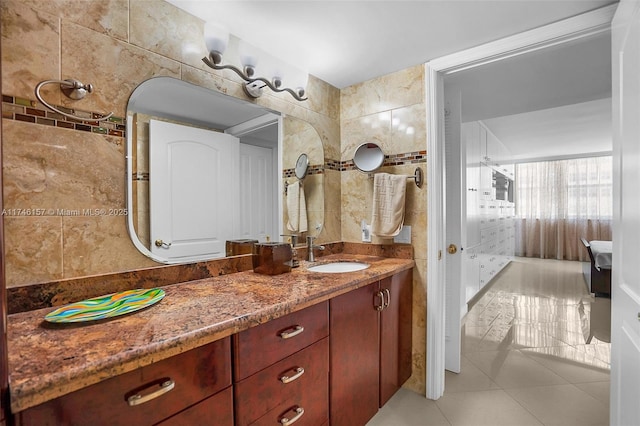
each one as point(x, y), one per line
point(265, 398)
point(197, 374)
point(259, 347)
point(217, 410)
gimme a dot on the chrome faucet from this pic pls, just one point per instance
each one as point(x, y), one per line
point(310, 256)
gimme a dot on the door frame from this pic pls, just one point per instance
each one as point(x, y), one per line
point(253, 125)
point(573, 28)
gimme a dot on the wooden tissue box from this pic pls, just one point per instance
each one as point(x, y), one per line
point(272, 258)
point(238, 247)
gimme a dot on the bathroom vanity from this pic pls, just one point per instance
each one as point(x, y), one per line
point(303, 347)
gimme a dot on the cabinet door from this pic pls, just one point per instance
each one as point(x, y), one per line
point(487, 188)
point(354, 356)
point(483, 143)
point(395, 333)
point(493, 149)
point(471, 273)
point(471, 136)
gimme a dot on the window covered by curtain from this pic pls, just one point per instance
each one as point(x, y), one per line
point(557, 202)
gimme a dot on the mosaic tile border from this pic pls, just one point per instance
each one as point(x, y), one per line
point(30, 111)
point(141, 176)
point(389, 160)
point(317, 169)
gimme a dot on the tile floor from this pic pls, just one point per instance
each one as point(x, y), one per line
point(535, 352)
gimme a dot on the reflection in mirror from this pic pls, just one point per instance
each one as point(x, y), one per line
point(203, 205)
point(304, 196)
point(368, 157)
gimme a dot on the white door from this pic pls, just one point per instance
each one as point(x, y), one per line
point(257, 193)
point(193, 191)
point(455, 207)
point(625, 301)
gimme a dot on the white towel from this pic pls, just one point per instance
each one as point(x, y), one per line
point(296, 208)
point(388, 204)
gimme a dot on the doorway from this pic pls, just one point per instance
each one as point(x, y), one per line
point(582, 26)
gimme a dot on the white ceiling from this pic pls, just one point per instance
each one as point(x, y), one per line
point(551, 103)
point(568, 131)
point(565, 74)
point(346, 42)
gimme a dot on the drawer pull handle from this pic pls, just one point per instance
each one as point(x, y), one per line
point(138, 399)
point(287, 334)
point(388, 293)
point(299, 372)
point(380, 294)
point(285, 421)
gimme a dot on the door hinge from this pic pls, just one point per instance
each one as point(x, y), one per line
point(439, 254)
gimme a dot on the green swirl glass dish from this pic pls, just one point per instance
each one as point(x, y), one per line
point(108, 306)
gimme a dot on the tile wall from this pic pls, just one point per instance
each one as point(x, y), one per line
point(389, 111)
point(53, 173)
point(116, 45)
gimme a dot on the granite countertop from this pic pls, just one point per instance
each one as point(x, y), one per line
point(50, 360)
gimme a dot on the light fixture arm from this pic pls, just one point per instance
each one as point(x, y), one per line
point(216, 57)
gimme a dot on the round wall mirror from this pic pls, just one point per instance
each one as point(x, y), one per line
point(368, 157)
point(302, 165)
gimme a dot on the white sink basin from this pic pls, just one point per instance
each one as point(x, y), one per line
point(338, 267)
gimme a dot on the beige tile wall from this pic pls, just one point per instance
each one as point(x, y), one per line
point(115, 45)
point(381, 110)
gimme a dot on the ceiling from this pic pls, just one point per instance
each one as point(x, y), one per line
point(347, 42)
point(551, 103)
point(564, 132)
point(556, 99)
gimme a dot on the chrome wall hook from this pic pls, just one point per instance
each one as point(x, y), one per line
point(73, 89)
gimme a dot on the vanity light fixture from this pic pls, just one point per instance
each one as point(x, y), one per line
point(217, 39)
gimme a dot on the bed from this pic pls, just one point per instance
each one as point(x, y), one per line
point(598, 276)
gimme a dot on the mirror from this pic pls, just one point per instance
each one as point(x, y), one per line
point(302, 165)
point(368, 157)
point(252, 189)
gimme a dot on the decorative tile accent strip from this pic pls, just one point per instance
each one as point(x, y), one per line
point(406, 158)
point(389, 160)
point(314, 169)
point(141, 176)
point(30, 111)
point(332, 165)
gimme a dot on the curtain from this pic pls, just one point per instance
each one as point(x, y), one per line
point(557, 202)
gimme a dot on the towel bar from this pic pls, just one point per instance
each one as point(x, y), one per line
point(417, 176)
point(73, 89)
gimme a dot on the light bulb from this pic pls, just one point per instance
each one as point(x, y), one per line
point(216, 37)
point(248, 57)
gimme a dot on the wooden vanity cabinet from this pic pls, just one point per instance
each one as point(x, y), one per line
point(370, 348)
point(396, 334)
point(281, 366)
point(202, 390)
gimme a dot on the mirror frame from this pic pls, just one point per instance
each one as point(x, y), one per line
point(368, 157)
point(302, 166)
point(253, 124)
